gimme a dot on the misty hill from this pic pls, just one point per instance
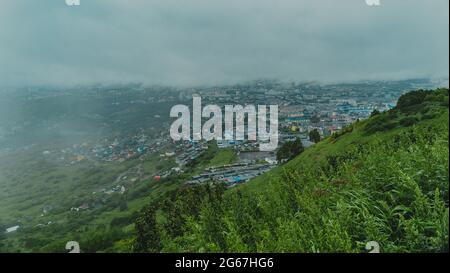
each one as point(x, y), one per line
point(384, 179)
point(62, 117)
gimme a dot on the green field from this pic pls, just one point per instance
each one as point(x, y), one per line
point(31, 185)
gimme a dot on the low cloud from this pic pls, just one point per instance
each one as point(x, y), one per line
point(194, 42)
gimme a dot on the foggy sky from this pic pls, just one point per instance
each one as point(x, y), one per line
point(196, 42)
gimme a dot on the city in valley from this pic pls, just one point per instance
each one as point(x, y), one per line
point(93, 156)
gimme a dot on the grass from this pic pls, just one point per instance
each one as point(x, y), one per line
point(215, 157)
point(223, 157)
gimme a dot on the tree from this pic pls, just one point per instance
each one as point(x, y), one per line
point(289, 150)
point(315, 119)
point(296, 147)
point(148, 238)
point(314, 136)
point(411, 99)
point(375, 113)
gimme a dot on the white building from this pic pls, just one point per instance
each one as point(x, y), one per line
point(12, 229)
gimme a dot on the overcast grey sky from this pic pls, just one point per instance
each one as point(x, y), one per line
point(193, 42)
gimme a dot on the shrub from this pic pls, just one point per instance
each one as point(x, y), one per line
point(409, 121)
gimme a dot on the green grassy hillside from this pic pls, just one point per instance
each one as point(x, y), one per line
point(384, 179)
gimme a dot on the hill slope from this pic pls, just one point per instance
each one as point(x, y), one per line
point(384, 179)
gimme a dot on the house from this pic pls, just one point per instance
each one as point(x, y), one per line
point(271, 161)
point(177, 169)
point(83, 207)
point(169, 154)
point(12, 229)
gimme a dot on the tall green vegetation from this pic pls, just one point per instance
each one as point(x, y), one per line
point(384, 180)
point(314, 136)
point(290, 150)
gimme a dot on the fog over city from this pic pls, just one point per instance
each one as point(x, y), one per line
point(204, 42)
